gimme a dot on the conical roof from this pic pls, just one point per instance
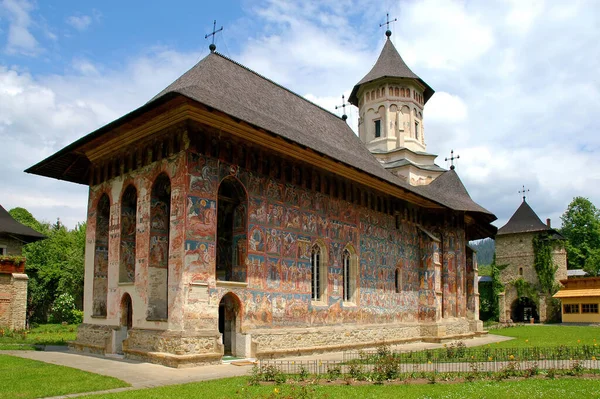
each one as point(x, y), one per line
point(389, 65)
point(8, 225)
point(524, 220)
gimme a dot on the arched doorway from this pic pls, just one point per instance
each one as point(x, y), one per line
point(126, 312)
point(126, 322)
point(229, 324)
point(523, 310)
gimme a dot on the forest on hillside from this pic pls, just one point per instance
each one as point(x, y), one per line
point(485, 250)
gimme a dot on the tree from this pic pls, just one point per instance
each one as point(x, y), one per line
point(581, 228)
point(55, 265)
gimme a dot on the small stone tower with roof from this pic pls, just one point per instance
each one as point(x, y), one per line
point(514, 248)
point(391, 99)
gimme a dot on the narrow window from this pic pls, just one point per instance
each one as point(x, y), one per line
point(417, 130)
point(377, 128)
point(520, 271)
point(398, 280)
point(346, 275)
point(316, 273)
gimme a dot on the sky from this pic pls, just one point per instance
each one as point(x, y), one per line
point(517, 81)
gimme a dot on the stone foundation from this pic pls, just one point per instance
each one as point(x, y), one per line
point(183, 349)
point(93, 338)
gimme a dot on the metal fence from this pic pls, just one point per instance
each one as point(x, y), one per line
point(451, 359)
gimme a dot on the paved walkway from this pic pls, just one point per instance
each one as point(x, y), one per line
point(146, 375)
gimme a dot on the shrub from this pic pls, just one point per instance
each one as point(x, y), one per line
point(63, 310)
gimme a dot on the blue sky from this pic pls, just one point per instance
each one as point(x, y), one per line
point(517, 88)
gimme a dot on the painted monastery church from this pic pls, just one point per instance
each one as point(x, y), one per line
point(229, 215)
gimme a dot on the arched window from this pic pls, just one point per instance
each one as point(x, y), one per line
point(318, 262)
point(349, 268)
point(158, 265)
point(520, 271)
point(398, 280)
point(100, 285)
point(128, 234)
point(232, 231)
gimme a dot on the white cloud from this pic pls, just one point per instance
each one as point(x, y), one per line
point(445, 108)
point(41, 114)
point(517, 92)
point(441, 34)
point(79, 22)
point(20, 40)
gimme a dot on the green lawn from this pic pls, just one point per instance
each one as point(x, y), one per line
point(25, 378)
point(47, 334)
point(237, 387)
point(548, 335)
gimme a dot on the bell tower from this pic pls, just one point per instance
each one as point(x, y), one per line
point(390, 99)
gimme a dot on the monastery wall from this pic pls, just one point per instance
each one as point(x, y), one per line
point(175, 294)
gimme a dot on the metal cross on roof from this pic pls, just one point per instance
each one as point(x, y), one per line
point(524, 192)
point(343, 106)
point(212, 46)
point(451, 159)
point(388, 32)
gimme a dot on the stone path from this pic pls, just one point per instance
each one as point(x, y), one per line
point(146, 375)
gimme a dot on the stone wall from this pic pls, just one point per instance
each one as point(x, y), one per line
point(516, 251)
point(13, 300)
point(13, 247)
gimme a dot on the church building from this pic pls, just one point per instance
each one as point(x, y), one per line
point(229, 215)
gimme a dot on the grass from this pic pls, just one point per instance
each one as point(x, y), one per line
point(547, 335)
point(237, 387)
point(46, 334)
point(25, 378)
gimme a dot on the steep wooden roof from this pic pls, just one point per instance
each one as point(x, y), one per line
point(10, 226)
point(524, 220)
point(229, 87)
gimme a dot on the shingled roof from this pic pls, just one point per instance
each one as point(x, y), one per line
point(10, 226)
point(227, 86)
point(524, 220)
point(450, 191)
point(389, 65)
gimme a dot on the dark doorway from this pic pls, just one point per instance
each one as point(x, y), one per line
point(229, 308)
point(231, 231)
point(523, 310)
point(126, 312)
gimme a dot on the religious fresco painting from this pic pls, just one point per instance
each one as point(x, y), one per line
point(160, 217)
point(100, 289)
point(128, 235)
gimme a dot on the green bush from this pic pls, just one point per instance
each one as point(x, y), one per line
point(63, 310)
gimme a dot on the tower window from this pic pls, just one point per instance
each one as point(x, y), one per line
point(417, 130)
point(377, 128)
point(520, 271)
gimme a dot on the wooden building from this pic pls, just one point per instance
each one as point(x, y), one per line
point(580, 299)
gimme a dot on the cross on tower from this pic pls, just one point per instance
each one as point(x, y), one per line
point(212, 46)
point(451, 159)
point(524, 192)
point(343, 106)
point(388, 32)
